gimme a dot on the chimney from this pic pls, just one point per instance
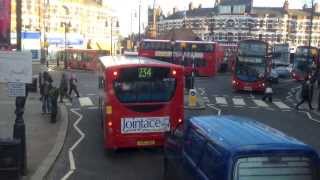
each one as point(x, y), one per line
point(286, 6)
point(316, 8)
point(190, 6)
point(216, 3)
point(200, 6)
point(305, 6)
point(175, 9)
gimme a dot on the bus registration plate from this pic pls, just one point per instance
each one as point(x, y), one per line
point(247, 88)
point(145, 124)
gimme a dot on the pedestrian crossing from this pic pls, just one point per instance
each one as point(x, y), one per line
point(252, 103)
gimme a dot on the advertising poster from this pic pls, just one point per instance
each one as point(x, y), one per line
point(5, 6)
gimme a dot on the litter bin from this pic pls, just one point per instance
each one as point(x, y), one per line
point(33, 86)
point(9, 159)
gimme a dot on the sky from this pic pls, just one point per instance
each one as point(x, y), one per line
point(125, 9)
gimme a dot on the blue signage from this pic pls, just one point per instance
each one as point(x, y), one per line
point(30, 35)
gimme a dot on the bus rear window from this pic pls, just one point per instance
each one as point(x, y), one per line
point(275, 168)
point(144, 84)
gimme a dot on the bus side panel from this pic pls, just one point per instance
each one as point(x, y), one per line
point(147, 53)
point(209, 68)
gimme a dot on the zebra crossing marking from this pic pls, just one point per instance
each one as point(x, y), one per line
point(238, 102)
point(221, 100)
point(260, 103)
point(68, 104)
point(281, 105)
point(85, 101)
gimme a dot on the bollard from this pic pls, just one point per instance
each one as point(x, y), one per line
point(192, 98)
point(9, 159)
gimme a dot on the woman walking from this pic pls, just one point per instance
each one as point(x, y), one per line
point(63, 88)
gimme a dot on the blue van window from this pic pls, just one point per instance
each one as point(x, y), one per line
point(210, 161)
point(279, 167)
point(194, 145)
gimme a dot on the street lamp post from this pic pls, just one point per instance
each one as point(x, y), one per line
point(66, 28)
point(111, 34)
point(19, 130)
point(173, 42)
point(193, 64)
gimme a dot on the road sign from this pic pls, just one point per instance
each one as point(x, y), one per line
point(15, 66)
point(16, 89)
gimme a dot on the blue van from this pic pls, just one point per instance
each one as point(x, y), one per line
point(236, 148)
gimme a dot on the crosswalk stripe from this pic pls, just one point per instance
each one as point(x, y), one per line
point(221, 100)
point(85, 101)
point(238, 101)
point(260, 103)
point(281, 105)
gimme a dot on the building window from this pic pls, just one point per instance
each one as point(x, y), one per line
point(261, 23)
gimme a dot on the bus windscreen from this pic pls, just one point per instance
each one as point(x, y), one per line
point(252, 49)
point(144, 85)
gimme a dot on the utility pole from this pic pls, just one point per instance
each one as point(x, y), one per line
point(111, 35)
point(139, 21)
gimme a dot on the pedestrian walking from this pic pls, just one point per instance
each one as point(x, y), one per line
point(40, 85)
point(268, 92)
point(47, 85)
point(72, 84)
point(63, 88)
point(305, 94)
point(54, 94)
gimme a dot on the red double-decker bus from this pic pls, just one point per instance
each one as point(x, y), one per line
point(252, 66)
point(207, 56)
point(85, 59)
point(140, 100)
point(305, 59)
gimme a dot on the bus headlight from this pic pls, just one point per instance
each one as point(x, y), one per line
point(109, 124)
point(263, 84)
point(233, 82)
point(179, 120)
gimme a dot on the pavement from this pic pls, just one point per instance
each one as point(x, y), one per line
point(44, 139)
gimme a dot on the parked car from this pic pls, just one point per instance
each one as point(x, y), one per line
point(236, 148)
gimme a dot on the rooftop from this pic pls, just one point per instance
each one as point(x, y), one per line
point(113, 61)
point(238, 132)
point(197, 12)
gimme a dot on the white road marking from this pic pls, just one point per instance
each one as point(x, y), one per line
point(202, 91)
point(85, 101)
point(70, 152)
point(68, 104)
point(260, 103)
point(281, 105)
point(213, 107)
point(310, 117)
point(93, 107)
point(91, 94)
point(238, 102)
point(221, 100)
